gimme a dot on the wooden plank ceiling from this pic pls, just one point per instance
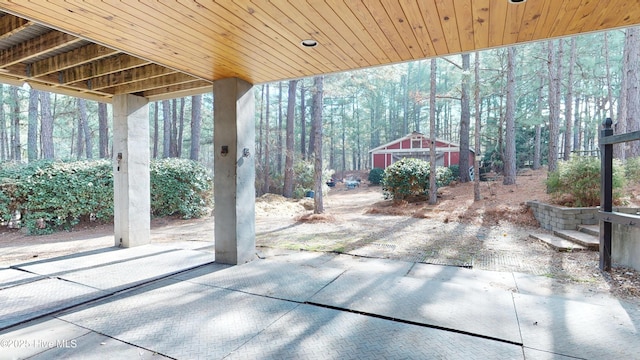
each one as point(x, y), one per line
point(169, 48)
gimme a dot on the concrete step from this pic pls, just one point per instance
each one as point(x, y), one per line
point(578, 237)
point(557, 242)
point(590, 229)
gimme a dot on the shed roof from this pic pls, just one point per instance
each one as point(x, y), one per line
point(162, 48)
point(411, 135)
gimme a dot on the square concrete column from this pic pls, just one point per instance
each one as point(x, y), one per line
point(234, 171)
point(131, 184)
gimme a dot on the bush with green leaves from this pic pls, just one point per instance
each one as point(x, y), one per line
point(58, 195)
point(6, 188)
point(180, 187)
point(632, 169)
point(410, 177)
point(576, 183)
point(53, 195)
point(445, 176)
point(375, 176)
point(455, 171)
point(406, 178)
point(303, 178)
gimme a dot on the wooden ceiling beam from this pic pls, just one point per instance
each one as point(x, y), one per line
point(106, 98)
point(17, 70)
point(29, 49)
point(149, 84)
point(52, 80)
point(70, 59)
point(181, 90)
point(10, 25)
point(106, 66)
point(129, 76)
point(10, 80)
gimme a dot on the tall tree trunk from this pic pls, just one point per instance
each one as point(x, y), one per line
point(46, 126)
point(568, 102)
point(156, 130)
point(375, 119)
point(621, 125)
point(174, 129)
point(312, 131)
point(433, 190)
point(80, 138)
point(279, 139)
point(608, 72)
point(16, 146)
point(478, 124)
point(632, 65)
point(265, 186)
point(303, 122)
point(318, 206)
point(103, 131)
point(500, 146)
point(180, 128)
point(537, 142)
point(510, 118)
point(196, 126)
point(577, 126)
point(537, 157)
point(88, 143)
point(287, 190)
point(4, 138)
point(344, 141)
point(32, 126)
point(166, 129)
point(405, 100)
point(261, 127)
point(356, 113)
point(465, 120)
point(554, 107)
point(331, 140)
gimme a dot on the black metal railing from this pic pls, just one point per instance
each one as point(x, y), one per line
point(606, 214)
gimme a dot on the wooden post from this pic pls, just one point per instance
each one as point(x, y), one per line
point(606, 195)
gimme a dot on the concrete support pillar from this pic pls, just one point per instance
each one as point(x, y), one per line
point(132, 196)
point(234, 171)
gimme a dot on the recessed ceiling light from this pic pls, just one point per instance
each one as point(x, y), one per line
point(309, 43)
point(516, 1)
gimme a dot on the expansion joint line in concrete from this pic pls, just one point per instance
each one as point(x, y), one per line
point(409, 322)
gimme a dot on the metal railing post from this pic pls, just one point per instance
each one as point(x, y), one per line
point(606, 195)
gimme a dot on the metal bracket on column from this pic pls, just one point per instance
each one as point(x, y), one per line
point(119, 159)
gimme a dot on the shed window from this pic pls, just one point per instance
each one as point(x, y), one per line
point(416, 143)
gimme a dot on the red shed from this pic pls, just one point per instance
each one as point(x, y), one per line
point(416, 145)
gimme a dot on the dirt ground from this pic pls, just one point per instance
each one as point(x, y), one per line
point(491, 234)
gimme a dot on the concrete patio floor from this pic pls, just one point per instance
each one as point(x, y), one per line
point(174, 302)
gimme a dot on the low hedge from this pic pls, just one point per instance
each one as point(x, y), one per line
point(58, 195)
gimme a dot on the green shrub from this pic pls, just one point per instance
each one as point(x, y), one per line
point(303, 178)
point(405, 178)
point(632, 169)
point(577, 182)
point(5, 201)
point(445, 176)
point(180, 187)
point(410, 177)
point(53, 195)
point(455, 171)
point(375, 176)
point(58, 195)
